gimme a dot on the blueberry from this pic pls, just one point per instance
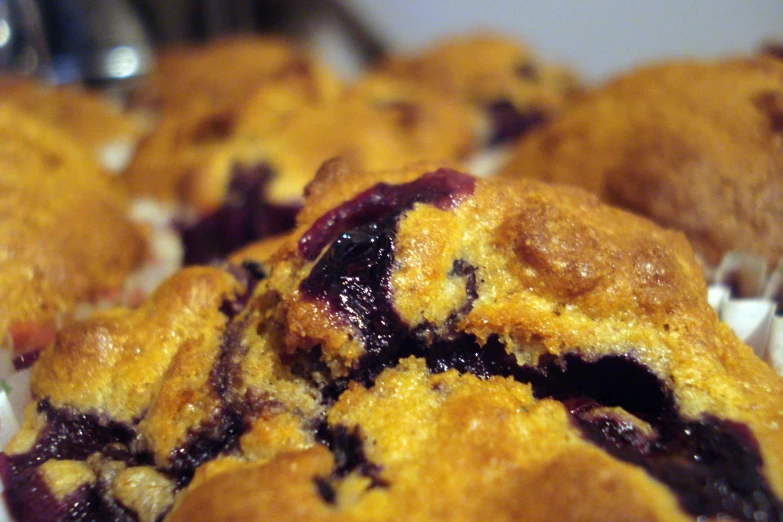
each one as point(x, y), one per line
point(508, 122)
point(246, 216)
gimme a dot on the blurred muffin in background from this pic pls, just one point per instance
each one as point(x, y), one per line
point(66, 239)
point(192, 124)
point(234, 164)
point(501, 78)
point(370, 132)
point(223, 73)
point(696, 146)
point(92, 119)
point(250, 186)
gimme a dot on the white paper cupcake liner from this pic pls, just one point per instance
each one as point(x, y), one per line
point(745, 296)
point(8, 426)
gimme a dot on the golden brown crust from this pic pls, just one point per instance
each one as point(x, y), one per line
point(693, 145)
point(65, 234)
point(305, 396)
point(257, 488)
point(183, 315)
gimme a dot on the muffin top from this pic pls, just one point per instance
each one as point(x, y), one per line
point(200, 93)
point(425, 345)
point(695, 146)
point(239, 174)
point(499, 76)
point(64, 232)
point(89, 118)
point(222, 72)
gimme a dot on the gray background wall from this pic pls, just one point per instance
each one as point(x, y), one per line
point(598, 37)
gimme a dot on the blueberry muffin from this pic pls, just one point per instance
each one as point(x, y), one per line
point(65, 235)
point(424, 345)
point(200, 93)
point(241, 178)
point(499, 77)
point(223, 72)
point(259, 178)
point(90, 118)
point(695, 146)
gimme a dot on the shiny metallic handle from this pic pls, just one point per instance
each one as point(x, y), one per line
point(23, 48)
point(5, 34)
point(117, 46)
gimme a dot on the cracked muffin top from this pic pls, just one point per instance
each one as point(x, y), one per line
point(424, 345)
point(695, 146)
point(90, 118)
point(498, 76)
point(65, 236)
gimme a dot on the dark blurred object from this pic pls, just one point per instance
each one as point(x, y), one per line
point(23, 48)
point(96, 41)
point(110, 41)
point(308, 21)
point(774, 49)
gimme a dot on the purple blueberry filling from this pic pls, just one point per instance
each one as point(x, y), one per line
point(325, 489)
point(353, 278)
point(443, 189)
point(26, 360)
point(204, 443)
point(462, 268)
point(66, 436)
point(348, 451)
point(249, 273)
point(465, 355)
point(713, 466)
point(509, 123)
point(35, 503)
point(353, 275)
point(247, 215)
point(527, 70)
point(227, 424)
point(223, 430)
point(71, 435)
